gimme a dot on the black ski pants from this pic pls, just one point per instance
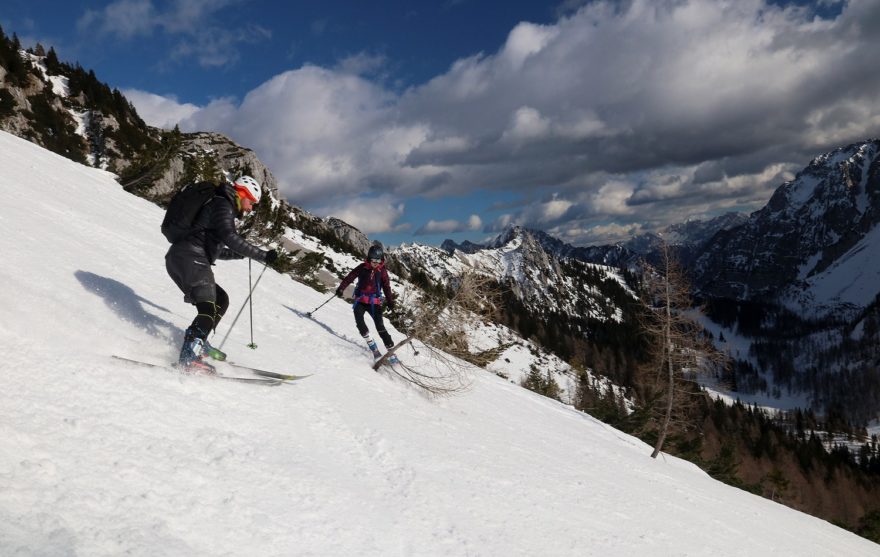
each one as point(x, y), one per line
point(193, 275)
point(210, 313)
point(375, 310)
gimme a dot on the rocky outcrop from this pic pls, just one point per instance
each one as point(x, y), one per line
point(808, 225)
point(350, 235)
point(168, 173)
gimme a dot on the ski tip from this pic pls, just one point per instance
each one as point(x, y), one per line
point(287, 378)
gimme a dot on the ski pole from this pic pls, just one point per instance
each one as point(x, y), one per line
point(234, 321)
point(252, 345)
point(309, 314)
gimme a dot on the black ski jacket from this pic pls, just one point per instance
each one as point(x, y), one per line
point(215, 228)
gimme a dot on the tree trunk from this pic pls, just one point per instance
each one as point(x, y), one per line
point(670, 394)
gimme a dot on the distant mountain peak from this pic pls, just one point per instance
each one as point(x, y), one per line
point(467, 246)
point(810, 226)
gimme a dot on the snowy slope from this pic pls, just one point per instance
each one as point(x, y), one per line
point(101, 458)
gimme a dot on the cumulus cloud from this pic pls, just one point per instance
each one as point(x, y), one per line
point(323, 132)
point(370, 216)
point(601, 233)
point(630, 112)
point(450, 226)
point(159, 111)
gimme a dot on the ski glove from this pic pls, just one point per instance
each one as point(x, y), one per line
point(338, 292)
point(391, 304)
point(271, 256)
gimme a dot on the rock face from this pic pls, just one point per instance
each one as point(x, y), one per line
point(170, 172)
point(349, 234)
point(807, 227)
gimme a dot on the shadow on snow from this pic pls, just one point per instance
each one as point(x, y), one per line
point(127, 304)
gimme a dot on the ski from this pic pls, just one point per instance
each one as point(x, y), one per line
point(385, 361)
point(268, 382)
point(270, 374)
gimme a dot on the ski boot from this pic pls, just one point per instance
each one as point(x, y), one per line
point(392, 359)
point(373, 348)
point(212, 352)
point(191, 355)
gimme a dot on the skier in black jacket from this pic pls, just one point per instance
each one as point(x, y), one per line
point(189, 261)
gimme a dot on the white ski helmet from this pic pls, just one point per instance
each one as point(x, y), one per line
point(248, 187)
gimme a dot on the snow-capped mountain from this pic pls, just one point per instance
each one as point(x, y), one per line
point(797, 283)
point(685, 240)
point(545, 280)
point(465, 247)
point(611, 256)
point(575, 310)
point(813, 247)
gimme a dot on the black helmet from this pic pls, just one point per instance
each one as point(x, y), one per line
point(376, 253)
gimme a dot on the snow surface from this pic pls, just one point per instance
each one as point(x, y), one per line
point(853, 277)
point(98, 457)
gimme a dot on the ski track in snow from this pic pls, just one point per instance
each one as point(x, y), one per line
point(102, 458)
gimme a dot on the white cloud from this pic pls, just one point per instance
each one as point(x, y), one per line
point(526, 123)
point(361, 63)
point(616, 107)
point(322, 132)
point(545, 211)
point(126, 19)
point(370, 216)
point(202, 37)
point(601, 234)
point(525, 40)
point(451, 226)
point(159, 111)
point(611, 198)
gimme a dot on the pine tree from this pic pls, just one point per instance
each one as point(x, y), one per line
point(53, 66)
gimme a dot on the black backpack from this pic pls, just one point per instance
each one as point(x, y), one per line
point(183, 208)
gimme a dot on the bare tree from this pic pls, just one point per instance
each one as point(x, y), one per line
point(441, 325)
point(678, 346)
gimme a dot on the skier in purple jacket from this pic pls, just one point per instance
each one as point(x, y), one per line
point(372, 282)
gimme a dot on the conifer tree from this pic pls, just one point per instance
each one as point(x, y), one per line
point(678, 346)
point(52, 64)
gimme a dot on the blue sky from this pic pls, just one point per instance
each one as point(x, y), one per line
point(592, 120)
